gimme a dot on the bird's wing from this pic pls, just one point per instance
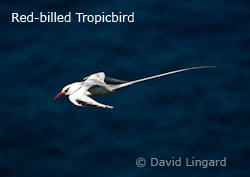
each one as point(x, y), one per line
point(80, 99)
point(103, 78)
point(97, 76)
point(110, 80)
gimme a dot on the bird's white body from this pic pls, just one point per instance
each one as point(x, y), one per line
point(98, 84)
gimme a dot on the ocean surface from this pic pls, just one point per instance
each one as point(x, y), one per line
point(203, 113)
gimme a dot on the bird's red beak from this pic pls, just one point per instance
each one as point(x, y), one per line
point(59, 94)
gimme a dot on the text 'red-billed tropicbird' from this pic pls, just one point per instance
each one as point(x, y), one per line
point(98, 84)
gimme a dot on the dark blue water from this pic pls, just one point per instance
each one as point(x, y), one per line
point(203, 113)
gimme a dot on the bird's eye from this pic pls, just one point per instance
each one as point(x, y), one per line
point(66, 90)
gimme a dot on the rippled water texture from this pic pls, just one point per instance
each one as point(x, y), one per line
point(200, 113)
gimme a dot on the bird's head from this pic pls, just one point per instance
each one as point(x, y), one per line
point(68, 89)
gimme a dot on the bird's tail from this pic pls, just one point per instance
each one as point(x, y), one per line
point(159, 75)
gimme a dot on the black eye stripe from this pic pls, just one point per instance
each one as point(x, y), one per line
point(66, 89)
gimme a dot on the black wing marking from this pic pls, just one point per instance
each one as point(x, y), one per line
point(110, 80)
point(87, 104)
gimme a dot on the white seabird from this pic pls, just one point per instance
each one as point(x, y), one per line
point(98, 84)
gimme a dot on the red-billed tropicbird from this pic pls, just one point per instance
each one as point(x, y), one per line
point(98, 84)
